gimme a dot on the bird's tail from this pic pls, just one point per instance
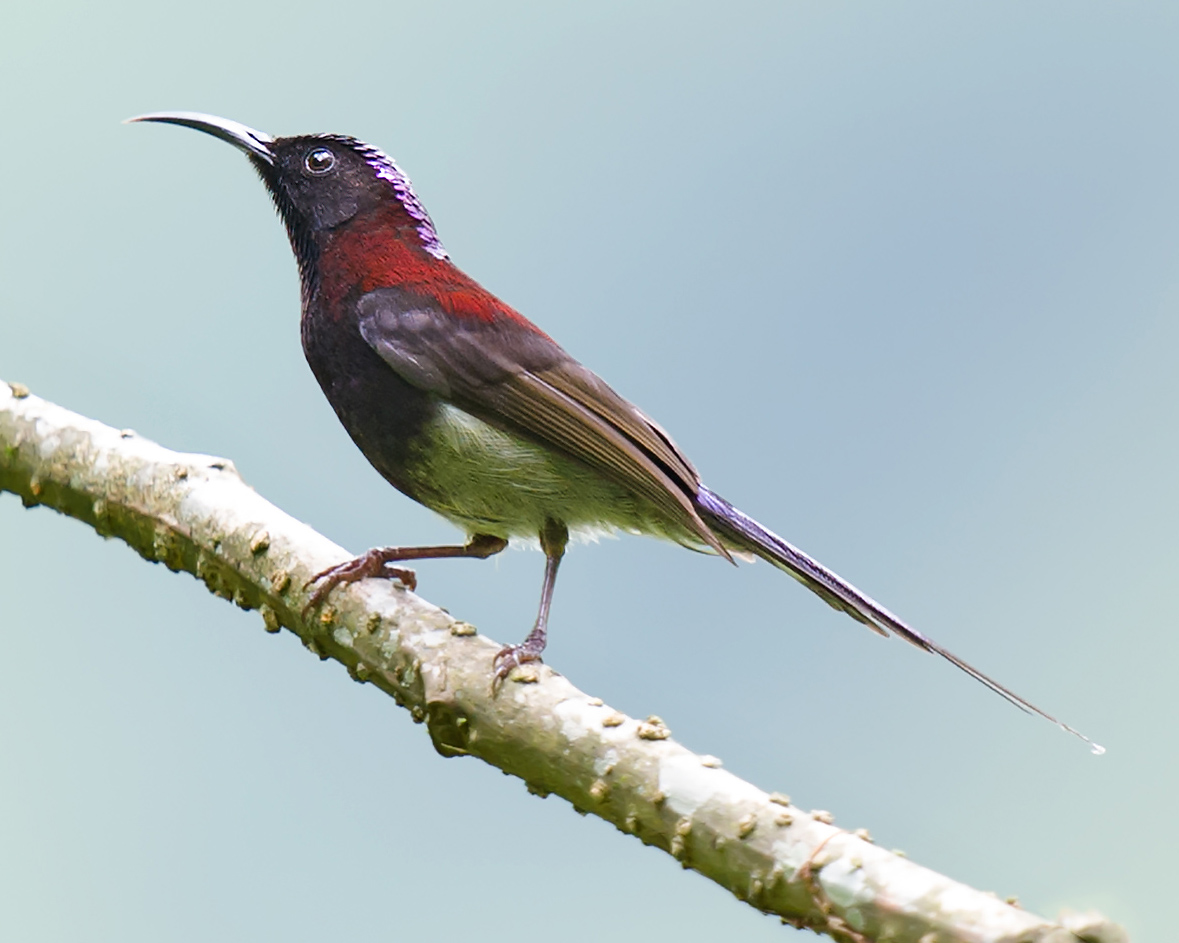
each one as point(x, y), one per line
point(741, 532)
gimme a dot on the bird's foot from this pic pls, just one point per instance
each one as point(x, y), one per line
point(374, 564)
point(512, 656)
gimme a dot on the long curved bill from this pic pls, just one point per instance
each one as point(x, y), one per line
point(255, 143)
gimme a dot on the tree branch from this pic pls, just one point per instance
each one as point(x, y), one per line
point(194, 513)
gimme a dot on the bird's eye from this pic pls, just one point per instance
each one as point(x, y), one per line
point(319, 161)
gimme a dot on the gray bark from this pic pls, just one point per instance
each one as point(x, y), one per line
point(195, 513)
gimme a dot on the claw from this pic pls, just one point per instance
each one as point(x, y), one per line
point(512, 656)
point(371, 565)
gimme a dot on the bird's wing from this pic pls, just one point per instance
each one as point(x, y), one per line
point(508, 373)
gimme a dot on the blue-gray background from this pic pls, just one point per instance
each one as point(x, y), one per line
point(903, 279)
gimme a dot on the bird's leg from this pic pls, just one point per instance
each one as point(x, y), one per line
point(553, 537)
point(376, 562)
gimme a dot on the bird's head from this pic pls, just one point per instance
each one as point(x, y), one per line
point(320, 182)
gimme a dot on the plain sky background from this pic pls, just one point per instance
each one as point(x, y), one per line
point(902, 279)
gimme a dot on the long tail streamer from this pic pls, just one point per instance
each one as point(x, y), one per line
point(743, 532)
